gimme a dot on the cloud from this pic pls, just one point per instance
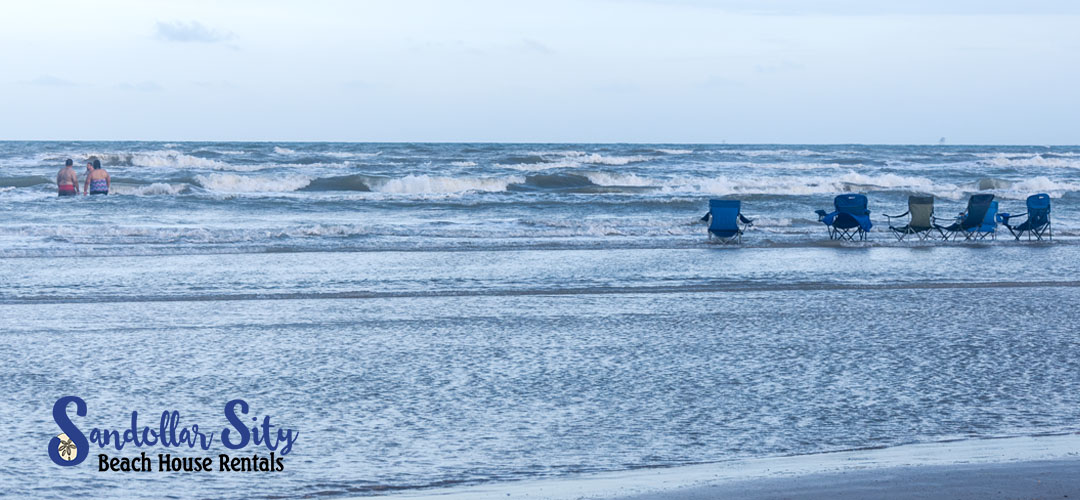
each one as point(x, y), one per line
point(146, 86)
point(194, 31)
point(530, 45)
point(52, 81)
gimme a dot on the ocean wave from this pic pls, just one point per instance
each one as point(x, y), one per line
point(598, 159)
point(807, 185)
point(544, 160)
point(232, 183)
point(1023, 188)
point(227, 152)
point(345, 154)
point(540, 166)
point(24, 181)
point(153, 189)
point(283, 151)
point(753, 153)
point(612, 179)
point(354, 182)
point(161, 158)
point(463, 163)
point(858, 182)
point(674, 151)
point(425, 184)
point(1029, 160)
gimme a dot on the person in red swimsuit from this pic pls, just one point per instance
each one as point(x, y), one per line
point(67, 181)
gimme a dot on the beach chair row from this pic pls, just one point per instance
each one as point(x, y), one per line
point(850, 220)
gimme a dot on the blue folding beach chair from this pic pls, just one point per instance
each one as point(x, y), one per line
point(851, 218)
point(726, 221)
point(1038, 219)
point(975, 223)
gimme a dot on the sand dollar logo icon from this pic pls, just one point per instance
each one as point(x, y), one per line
point(66, 449)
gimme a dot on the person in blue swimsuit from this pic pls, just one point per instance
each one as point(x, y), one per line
point(98, 181)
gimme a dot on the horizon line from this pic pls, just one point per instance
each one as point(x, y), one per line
point(328, 141)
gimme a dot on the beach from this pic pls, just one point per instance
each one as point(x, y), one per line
point(455, 320)
point(1027, 467)
point(1043, 479)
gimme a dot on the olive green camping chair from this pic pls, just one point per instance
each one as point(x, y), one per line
point(920, 225)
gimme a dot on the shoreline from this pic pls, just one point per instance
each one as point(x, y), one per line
point(973, 468)
point(1041, 479)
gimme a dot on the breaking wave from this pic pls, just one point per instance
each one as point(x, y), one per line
point(1029, 160)
point(424, 184)
point(154, 189)
point(163, 158)
point(232, 183)
point(545, 160)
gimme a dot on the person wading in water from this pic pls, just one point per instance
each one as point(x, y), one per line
point(67, 181)
point(97, 181)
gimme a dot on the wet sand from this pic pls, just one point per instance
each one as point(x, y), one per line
point(1027, 480)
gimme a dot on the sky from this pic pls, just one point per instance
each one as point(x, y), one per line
point(679, 71)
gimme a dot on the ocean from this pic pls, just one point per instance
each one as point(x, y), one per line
point(444, 315)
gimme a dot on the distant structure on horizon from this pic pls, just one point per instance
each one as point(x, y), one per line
point(941, 141)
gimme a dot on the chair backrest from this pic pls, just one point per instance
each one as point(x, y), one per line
point(989, 223)
point(1038, 207)
point(977, 207)
point(854, 204)
point(725, 215)
point(921, 209)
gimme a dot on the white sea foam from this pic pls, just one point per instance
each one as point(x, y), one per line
point(161, 158)
point(283, 151)
point(598, 159)
point(773, 152)
point(809, 185)
point(1020, 190)
point(424, 184)
point(761, 221)
point(612, 179)
point(571, 159)
point(157, 188)
point(1029, 160)
point(537, 167)
point(345, 154)
point(232, 183)
point(463, 163)
point(675, 151)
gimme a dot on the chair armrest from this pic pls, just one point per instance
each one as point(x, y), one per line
point(820, 214)
point(705, 218)
point(934, 219)
point(895, 216)
point(1004, 217)
point(748, 222)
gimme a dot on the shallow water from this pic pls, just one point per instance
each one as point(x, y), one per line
point(471, 336)
point(298, 197)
